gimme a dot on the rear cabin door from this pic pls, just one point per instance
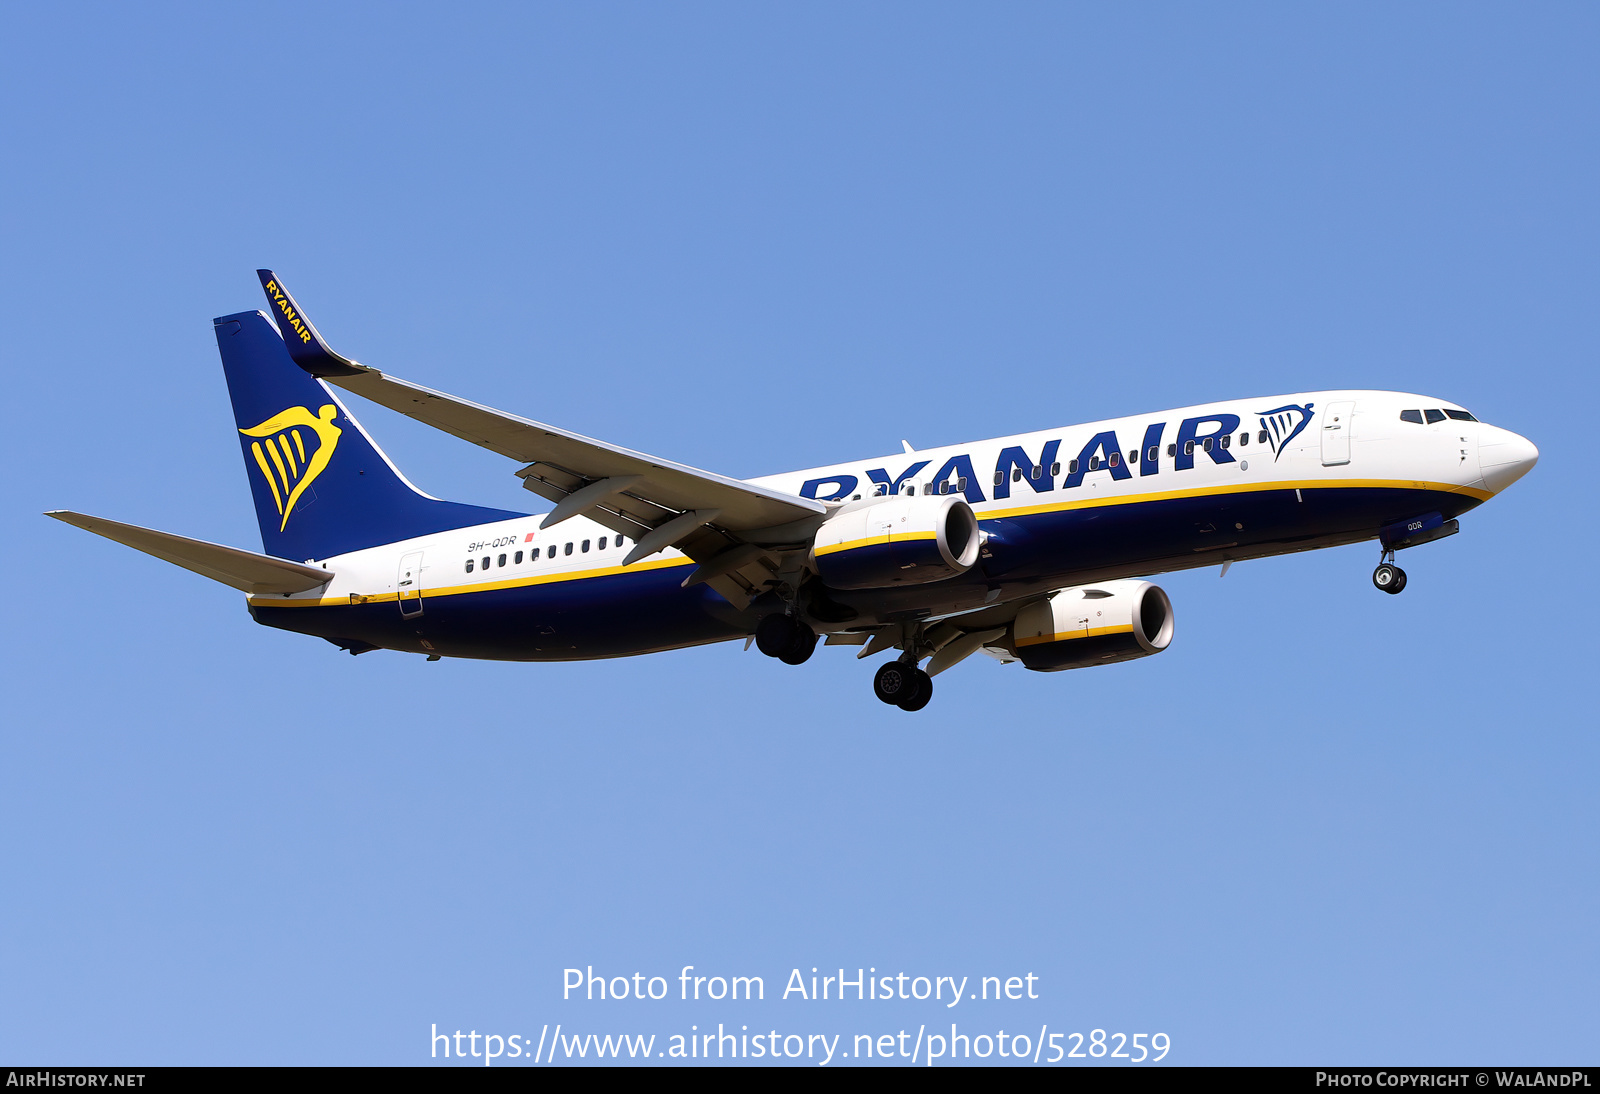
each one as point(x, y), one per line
point(408, 585)
point(1336, 433)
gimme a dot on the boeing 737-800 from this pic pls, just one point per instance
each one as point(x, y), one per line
point(1030, 548)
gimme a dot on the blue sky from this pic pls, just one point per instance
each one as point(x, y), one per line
point(1327, 826)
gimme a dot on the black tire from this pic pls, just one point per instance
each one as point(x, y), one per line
point(1386, 576)
point(775, 634)
point(800, 650)
point(923, 693)
point(893, 681)
point(1400, 581)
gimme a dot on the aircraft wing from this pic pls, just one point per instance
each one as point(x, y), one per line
point(244, 570)
point(657, 503)
point(562, 463)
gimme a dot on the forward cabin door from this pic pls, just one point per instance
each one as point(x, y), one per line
point(408, 585)
point(1336, 433)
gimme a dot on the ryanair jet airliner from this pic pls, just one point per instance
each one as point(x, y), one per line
point(1029, 548)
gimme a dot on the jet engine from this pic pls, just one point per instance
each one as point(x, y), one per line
point(1088, 625)
point(882, 542)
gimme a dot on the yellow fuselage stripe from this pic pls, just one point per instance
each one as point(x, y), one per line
point(1239, 488)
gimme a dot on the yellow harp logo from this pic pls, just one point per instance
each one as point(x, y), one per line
point(281, 453)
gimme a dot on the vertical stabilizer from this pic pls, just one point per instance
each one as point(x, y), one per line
point(321, 486)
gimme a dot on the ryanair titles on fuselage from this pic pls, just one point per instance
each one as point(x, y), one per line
point(1214, 434)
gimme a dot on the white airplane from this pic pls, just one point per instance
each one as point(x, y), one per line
point(1029, 548)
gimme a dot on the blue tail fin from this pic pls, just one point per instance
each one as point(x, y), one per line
point(321, 486)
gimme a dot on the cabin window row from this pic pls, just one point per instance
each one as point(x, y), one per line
point(489, 561)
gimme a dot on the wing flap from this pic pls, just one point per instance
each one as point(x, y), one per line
point(243, 570)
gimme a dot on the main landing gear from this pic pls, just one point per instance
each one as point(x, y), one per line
point(1389, 577)
point(786, 638)
point(902, 684)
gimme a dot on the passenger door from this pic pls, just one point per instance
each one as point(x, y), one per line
point(1336, 433)
point(408, 585)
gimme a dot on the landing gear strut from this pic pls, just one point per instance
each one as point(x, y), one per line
point(1389, 577)
point(902, 684)
point(786, 638)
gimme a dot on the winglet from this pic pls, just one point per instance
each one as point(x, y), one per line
point(306, 346)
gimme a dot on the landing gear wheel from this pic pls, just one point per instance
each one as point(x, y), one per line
point(895, 681)
point(805, 643)
point(1389, 577)
point(785, 637)
point(924, 692)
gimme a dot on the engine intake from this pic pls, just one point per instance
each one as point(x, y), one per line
point(1090, 625)
point(881, 542)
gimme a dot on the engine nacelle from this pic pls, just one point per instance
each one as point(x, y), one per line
point(1093, 625)
point(882, 542)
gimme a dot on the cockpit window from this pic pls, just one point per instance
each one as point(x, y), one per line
point(1461, 415)
point(1412, 416)
point(1433, 415)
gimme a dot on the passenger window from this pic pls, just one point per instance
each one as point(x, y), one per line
point(1412, 416)
point(1055, 469)
point(1461, 415)
point(1072, 467)
point(485, 562)
point(1434, 415)
point(469, 565)
point(1244, 438)
point(944, 488)
point(1036, 472)
point(1188, 448)
point(567, 550)
point(961, 484)
point(1172, 450)
point(1115, 459)
point(518, 558)
point(1227, 440)
point(911, 491)
point(1133, 457)
point(619, 534)
point(1094, 463)
point(1261, 438)
point(1207, 444)
point(585, 545)
point(999, 477)
point(1153, 454)
point(501, 561)
point(552, 552)
point(881, 490)
point(1016, 474)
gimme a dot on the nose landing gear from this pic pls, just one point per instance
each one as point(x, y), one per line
point(1389, 577)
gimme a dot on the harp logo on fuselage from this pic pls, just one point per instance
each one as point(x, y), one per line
point(292, 448)
point(1283, 424)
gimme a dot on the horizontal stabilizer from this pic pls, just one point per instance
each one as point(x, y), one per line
point(243, 570)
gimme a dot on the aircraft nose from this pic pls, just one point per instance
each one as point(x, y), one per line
point(1504, 457)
